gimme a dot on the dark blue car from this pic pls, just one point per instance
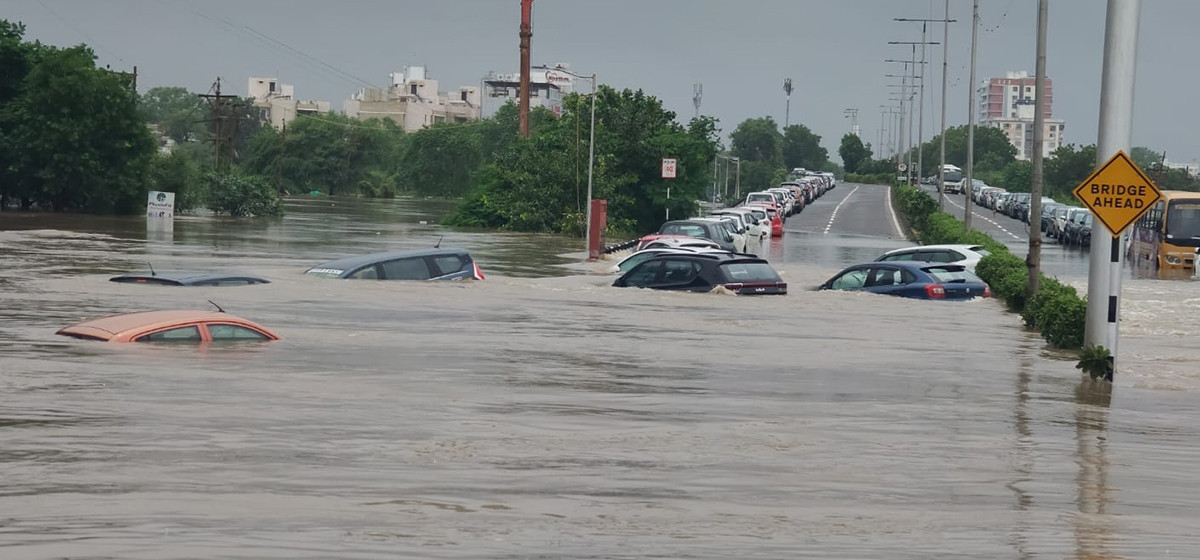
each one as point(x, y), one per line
point(921, 280)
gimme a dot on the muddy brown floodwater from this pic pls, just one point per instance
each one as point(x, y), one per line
point(542, 413)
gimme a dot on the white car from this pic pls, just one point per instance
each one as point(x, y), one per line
point(739, 237)
point(756, 226)
point(966, 255)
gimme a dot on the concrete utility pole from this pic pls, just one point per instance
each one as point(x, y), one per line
point(1116, 132)
point(969, 181)
point(526, 34)
point(942, 157)
point(1034, 259)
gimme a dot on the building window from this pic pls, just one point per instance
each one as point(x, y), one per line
point(1006, 125)
point(414, 89)
point(1015, 89)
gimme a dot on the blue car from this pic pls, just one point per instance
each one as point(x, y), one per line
point(921, 280)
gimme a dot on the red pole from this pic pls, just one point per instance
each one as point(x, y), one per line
point(523, 94)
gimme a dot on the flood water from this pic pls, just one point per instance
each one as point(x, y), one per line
point(542, 413)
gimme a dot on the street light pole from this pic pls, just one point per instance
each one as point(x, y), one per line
point(591, 151)
point(946, 21)
point(1034, 258)
point(970, 179)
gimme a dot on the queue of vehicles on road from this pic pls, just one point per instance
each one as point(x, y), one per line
point(1067, 224)
point(717, 258)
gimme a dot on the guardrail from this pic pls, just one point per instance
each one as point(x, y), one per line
point(620, 246)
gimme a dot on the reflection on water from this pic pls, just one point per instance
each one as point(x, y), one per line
point(544, 414)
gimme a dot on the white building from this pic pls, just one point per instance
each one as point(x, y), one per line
point(1008, 103)
point(413, 101)
point(277, 103)
point(547, 87)
point(1192, 167)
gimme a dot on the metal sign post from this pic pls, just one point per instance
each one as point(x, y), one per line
point(1116, 132)
point(668, 172)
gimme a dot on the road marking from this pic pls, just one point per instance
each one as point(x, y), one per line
point(892, 211)
point(836, 208)
point(986, 219)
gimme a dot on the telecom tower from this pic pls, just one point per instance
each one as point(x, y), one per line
point(697, 92)
point(852, 114)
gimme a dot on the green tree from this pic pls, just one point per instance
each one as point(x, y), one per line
point(178, 173)
point(80, 143)
point(1017, 176)
point(1066, 168)
point(180, 113)
point(993, 151)
point(802, 148)
point(1145, 157)
point(758, 140)
point(853, 152)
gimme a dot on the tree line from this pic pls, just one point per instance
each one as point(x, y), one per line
point(997, 165)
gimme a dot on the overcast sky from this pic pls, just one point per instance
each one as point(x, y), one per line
point(741, 50)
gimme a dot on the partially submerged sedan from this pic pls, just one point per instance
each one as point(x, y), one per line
point(170, 326)
point(911, 279)
point(425, 264)
point(189, 279)
point(703, 272)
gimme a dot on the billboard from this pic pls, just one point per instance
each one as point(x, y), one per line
point(160, 205)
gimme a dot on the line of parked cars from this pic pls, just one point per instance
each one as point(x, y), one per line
point(711, 252)
point(1069, 225)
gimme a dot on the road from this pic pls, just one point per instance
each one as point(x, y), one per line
point(852, 223)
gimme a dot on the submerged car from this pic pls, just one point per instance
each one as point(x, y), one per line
point(423, 264)
point(647, 254)
point(184, 279)
point(741, 274)
point(921, 280)
point(170, 326)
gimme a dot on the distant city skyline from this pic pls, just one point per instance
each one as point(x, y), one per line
point(833, 51)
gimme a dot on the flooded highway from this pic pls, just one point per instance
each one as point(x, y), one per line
point(542, 413)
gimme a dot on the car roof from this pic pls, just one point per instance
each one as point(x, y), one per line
point(183, 278)
point(724, 256)
point(108, 327)
point(356, 261)
point(912, 265)
point(955, 246)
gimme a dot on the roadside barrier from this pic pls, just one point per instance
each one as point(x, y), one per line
point(621, 246)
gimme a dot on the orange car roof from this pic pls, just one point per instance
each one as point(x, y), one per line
point(108, 327)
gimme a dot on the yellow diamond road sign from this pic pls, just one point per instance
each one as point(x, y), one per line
point(1118, 193)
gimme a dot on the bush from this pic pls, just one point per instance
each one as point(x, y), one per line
point(1056, 309)
point(870, 178)
point(241, 196)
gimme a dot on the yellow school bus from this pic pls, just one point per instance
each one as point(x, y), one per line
point(1168, 235)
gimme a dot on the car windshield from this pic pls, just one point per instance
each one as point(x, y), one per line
point(689, 230)
point(749, 272)
point(948, 274)
point(325, 272)
point(1183, 220)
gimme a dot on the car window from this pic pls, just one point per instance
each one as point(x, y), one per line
point(368, 273)
point(233, 332)
point(636, 259)
point(680, 272)
point(884, 277)
point(749, 272)
point(644, 274)
point(906, 256)
point(448, 264)
point(413, 268)
point(181, 334)
point(951, 274)
point(938, 256)
point(851, 280)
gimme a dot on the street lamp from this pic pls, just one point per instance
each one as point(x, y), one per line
point(591, 155)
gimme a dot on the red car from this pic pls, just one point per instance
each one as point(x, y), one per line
point(170, 326)
point(774, 215)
